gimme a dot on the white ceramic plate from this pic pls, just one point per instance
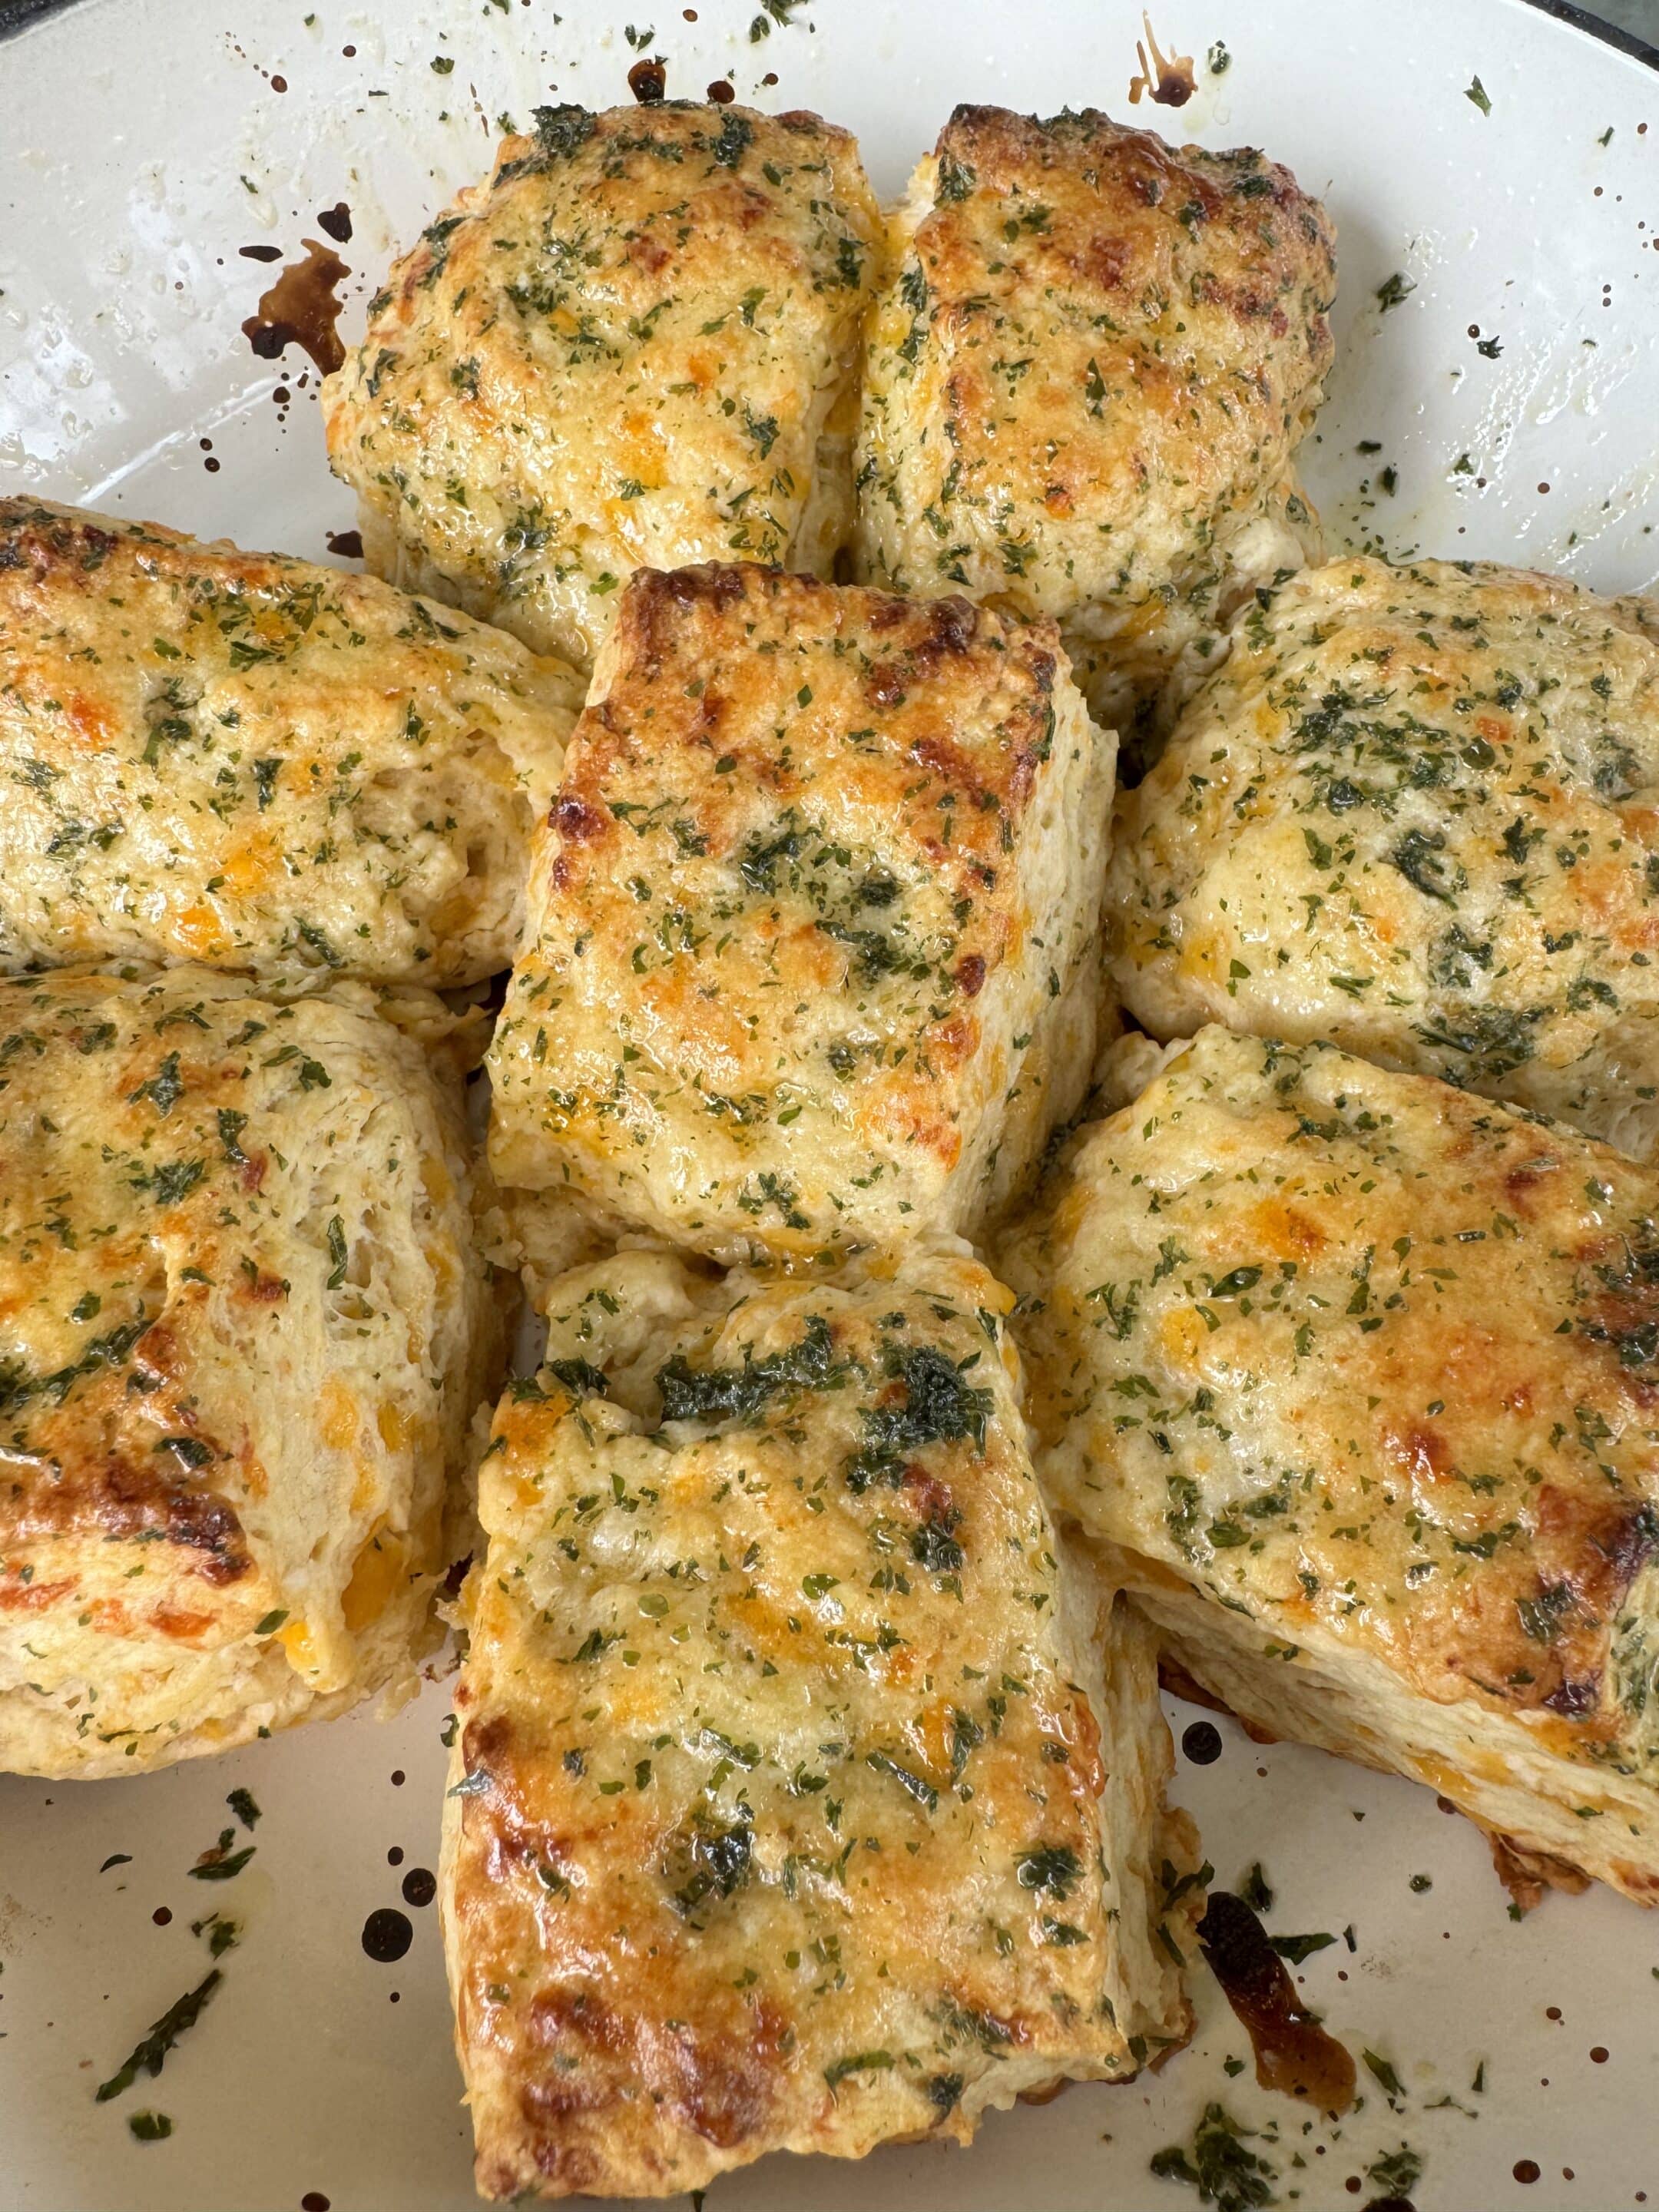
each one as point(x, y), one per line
point(143, 144)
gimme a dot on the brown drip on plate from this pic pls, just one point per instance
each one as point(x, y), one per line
point(387, 1934)
point(648, 80)
point(1168, 77)
point(300, 309)
point(1293, 2054)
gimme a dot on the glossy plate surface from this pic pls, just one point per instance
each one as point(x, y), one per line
point(143, 143)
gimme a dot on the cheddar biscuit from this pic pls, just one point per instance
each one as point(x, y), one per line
point(1414, 813)
point(256, 762)
point(241, 1325)
point(808, 1792)
point(1087, 377)
point(812, 947)
point(1351, 1378)
point(634, 346)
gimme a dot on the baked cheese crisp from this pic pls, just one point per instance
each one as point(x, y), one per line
point(1353, 1377)
point(807, 1793)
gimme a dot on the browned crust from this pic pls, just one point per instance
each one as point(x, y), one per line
point(621, 2030)
point(1527, 1873)
point(800, 813)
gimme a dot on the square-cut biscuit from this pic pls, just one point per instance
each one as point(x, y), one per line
point(806, 1795)
point(637, 345)
point(242, 1326)
point(811, 954)
point(1353, 1377)
point(257, 763)
point(1085, 381)
point(1414, 813)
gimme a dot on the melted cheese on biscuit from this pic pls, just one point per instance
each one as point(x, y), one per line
point(255, 762)
point(1415, 814)
point(1357, 1378)
point(634, 346)
point(810, 957)
point(1086, 383)
point(240, 1334)
point(804, 1795)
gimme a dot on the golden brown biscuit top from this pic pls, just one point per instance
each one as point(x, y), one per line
point(255, 760)
point(776, 1799)
point(1373, 1361)
point(184, 1183)
point(777, 890)
point(1110, 343)
point(1414, 812)
point(618, 351)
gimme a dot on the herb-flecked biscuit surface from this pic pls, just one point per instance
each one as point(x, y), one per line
point(635, 345)
point(813, 921)
point(257, 763)
point(1355, 1376)
point(807, 1793)
point(1086, 378)
point(1414, 813)
point(241, 1330)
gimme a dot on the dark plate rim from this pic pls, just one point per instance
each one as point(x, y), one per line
point(16, 15)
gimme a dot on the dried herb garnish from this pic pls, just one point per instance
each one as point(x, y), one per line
point(1397, 2174)
point(863, 2062)
point(939, 1406)
point(727, 1393)
point(149, 2052)
point(221, 1863)
point(222, 1935)
point(242, 1803)
point(1383, 2074)
point(1296, 1948)
point(1224, 2173)
point(1256, 1891)
point(580, 1378)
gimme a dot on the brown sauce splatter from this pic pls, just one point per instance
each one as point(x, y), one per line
point(300, 309)
point(648, 80)
point(1293, 2054)
point(348, 544)
point(1201, 1742)
point(337, 222)
point(420, 1887)
point(260, 253)
point(387, 1934)
point(1168, 77)
point(721, 93)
